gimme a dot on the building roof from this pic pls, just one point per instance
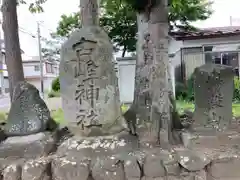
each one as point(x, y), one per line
point(206, 33)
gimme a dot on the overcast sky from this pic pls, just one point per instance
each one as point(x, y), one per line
point(223, 9)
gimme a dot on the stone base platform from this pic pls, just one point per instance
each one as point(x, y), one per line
point(31, 146)
point(116, 158)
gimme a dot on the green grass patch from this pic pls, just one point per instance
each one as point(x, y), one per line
point(3, 116)
point(184, 105)
point(58, 116)
point(236, 109)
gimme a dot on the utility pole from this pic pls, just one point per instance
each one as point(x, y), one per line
point(40, 58)
point(1, 55)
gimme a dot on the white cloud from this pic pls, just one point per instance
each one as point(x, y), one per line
point(223, 9)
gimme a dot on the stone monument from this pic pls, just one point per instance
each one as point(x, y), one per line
point(28, 114)
point(213, 96)
point(29, 126)
point(87, 78)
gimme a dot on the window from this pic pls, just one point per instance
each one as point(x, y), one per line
point(36, 68)
point(3, 58)
point(208, 48)
point(7, 90)
point(49, 68)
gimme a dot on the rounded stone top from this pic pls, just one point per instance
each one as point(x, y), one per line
point(22, 87)
point(89, 33)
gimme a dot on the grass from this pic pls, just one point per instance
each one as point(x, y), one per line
point(58, 115)
point(183, 105)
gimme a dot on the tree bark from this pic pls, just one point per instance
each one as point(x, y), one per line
point(12, 45)
point(159, 84)
point(89, 12)
point(139, 98)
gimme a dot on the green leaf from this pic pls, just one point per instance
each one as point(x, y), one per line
point(118, 19)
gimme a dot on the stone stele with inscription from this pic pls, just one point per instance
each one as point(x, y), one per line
point(213, 96)
point(88, 84)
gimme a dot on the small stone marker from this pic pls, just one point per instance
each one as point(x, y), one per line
point(88, 81)
point(28, 114)
point(213, 96)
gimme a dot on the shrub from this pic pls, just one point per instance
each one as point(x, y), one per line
point(236, 92)
point(181, 91)
point(56, 85)
point(184, 92)
point(190, 88)
point(52, 94)
point(187, 93)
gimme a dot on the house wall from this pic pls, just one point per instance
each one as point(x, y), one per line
point(36, 82)
point(126, 78)
point(32, 75)
point(194, 59)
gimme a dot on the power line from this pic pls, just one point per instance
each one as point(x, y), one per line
point(31, 34)
point(46, 27)
point(26, 32)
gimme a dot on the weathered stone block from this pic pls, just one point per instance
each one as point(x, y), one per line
point(192, 161)
point(29, 113)
point(37, 169)
point(213, 96)
point(89, 85)
point(224, 168)
point(110, 168)
point(132, 169)
point(153, 166)
point(198, 175)
point(70, 168)
point(12, 172)
point(94, 147)
point(212, 140)
point(31, 146)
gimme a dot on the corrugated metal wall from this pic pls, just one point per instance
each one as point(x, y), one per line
point(192, 58)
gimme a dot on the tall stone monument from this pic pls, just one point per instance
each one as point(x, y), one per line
point(87, 78)
point(213, 97)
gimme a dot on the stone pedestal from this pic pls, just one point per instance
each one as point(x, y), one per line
point(32, 146)
point(213, 97)
point(88, 82)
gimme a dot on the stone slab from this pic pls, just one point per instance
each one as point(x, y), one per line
point(31, 146)
point(94, 147)
point(227, 167)
point(89, 86)
point(213, 88)
point(37, 169)
point(212, 140)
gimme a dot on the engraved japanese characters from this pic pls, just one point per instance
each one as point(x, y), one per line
point(213, 96)
point(144, 100)
point(29, 113)
point(88, 84)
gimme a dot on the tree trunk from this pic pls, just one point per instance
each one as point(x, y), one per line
point(159, 84)
point(89, 12)
point(140, 77)
point(124, 51)
point(12, 45)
